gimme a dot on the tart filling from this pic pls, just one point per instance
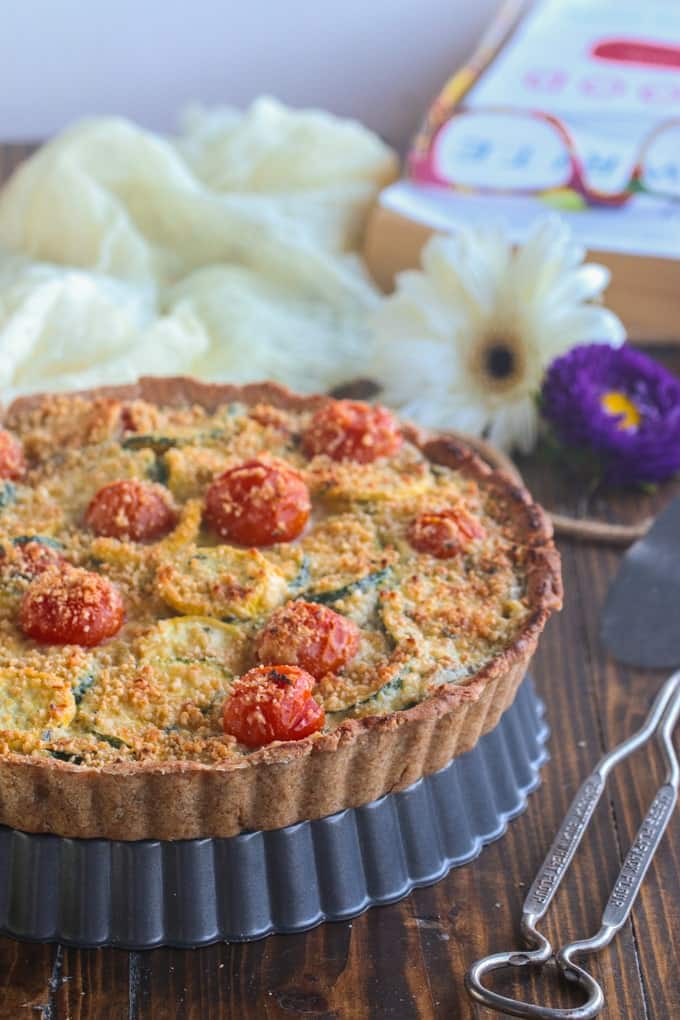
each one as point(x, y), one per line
point(279, 571)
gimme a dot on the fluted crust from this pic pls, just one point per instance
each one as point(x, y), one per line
point(278, 785)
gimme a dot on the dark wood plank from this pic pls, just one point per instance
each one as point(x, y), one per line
point(93, 985)
point(408, 960)
point(29, 974)
point(336, 970)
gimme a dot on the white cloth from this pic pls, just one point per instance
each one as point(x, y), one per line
point(228, 252)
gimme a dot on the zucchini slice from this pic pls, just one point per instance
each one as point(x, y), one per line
point(344, 557)
point(13, 570)
point(70, 756)
point(196, 639)
point(52, 543)
point(190, 469)
point(369, 581)
point(382, 700)
point(30, 699)
point(74, 479)
point(157, 443)
point(399, 477)
point(290, 559)
point(302, 578)
point(29, 510)
point(157, 471)
point(82, 685)
point(112, 741)
point(399, 687)
point(8, 494)
point(376, 702)
point(187, 436)
point(185, 662)
point(412, 613)
point(222, 582)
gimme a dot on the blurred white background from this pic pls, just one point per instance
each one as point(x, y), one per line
point(378, 60)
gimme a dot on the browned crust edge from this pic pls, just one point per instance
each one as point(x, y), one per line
point(282, 784)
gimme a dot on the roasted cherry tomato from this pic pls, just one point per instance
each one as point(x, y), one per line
point(139, 511)
point(69, 606)
point(308, 635)
point(350, 430)
point(12, 463)
point(258, 503)
point(27, 557)
point(272, 703)
point(128, 421)
point(444, 533)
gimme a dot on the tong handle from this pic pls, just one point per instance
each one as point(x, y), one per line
point(639, 856)
point(620, 903)
point(563, 848)
point(571, 831)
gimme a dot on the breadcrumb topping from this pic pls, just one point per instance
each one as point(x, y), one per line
point(200, 610)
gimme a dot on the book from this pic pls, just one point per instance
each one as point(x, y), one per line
point(570, 105)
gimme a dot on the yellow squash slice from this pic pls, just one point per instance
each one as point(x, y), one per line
point(345, 482)
point(221, 581)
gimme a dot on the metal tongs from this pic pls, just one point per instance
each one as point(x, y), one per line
point(660, 723)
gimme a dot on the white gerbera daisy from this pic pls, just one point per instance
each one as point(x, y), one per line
point(465, 342)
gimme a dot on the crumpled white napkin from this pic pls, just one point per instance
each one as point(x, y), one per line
point(228, 252)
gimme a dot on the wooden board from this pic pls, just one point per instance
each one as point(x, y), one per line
point(407, 961)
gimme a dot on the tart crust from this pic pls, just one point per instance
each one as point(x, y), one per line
point(281, 784)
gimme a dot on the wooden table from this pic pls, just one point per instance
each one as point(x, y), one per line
point(407, 961)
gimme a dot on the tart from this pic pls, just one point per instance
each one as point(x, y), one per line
point(233, 608)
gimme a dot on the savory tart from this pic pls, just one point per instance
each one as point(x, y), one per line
point(231, 608)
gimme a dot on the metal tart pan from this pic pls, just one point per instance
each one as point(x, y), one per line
point(188, 893)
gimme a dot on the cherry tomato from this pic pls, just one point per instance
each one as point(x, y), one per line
point(128, 422)
point(272, 703)
point(12, 463)
point(71, 607)
point(258, 503)
point(308, 635)
point(27, 557)
point(350, 430)
point(139, 511)
point(444, 533)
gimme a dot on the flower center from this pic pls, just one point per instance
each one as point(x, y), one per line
point(499, 361)
point(620, 405)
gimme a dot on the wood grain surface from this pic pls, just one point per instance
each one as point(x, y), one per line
point(407, 961)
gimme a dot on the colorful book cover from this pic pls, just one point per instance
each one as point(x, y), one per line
point(574, 106)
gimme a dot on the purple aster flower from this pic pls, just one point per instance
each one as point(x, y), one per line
point(620, 404)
